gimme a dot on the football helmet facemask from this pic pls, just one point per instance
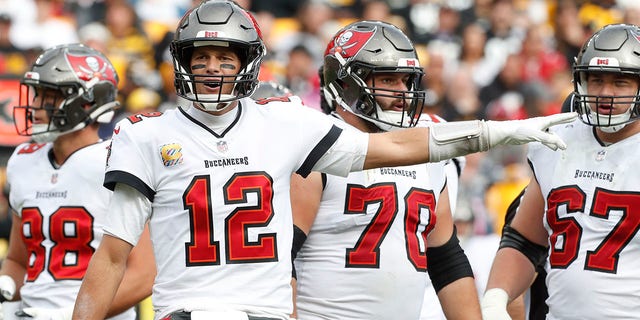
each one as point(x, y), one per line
point(217, 23)
point(362, 50)
point(84, 83)
point(612, 49)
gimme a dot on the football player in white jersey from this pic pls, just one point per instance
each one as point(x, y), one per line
point(375, 236)
point(212, 178)
point(580, 207)
point(56, 193)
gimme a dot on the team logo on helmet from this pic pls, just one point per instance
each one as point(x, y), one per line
point(89, 67)
point(349, 42)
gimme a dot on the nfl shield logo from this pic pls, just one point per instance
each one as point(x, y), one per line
point(600, 155)
point(222, 146)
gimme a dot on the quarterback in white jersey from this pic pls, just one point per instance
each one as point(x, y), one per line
point(56, 195)
point(232, 210)
point(212, 179)
point(579, 211)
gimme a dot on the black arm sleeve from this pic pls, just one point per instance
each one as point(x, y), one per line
point(298, 240)
point(447, 263)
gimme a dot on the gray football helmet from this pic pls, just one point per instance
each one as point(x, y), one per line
point(88, 85)
point(217, 23)
point(615, 48)
point(359, 51)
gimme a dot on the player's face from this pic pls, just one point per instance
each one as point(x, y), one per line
point(394, 101)
point(214, 62)
point(616, 92)
point(43, 103)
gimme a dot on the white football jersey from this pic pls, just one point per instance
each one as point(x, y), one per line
point(365, 255)
point(63, 211)
point(591, 193)
point(221, 221)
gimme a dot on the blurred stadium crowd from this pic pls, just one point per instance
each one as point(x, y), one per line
point(489, 59)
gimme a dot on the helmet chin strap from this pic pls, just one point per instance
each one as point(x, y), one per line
point(617, 121)
point(212, 102)
point(41, 134)
point(214, 105)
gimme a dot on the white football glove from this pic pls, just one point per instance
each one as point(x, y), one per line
point(494, 305)
point(458, 138)
point(49, 314)
point(517, 132)
point(7, 290)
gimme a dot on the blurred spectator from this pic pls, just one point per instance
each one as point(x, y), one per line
point(503, 37)
point(435, 85)
point(381, 11)
point(569, 31)
point(540, 60)
point(472, 57)
point(95, 35)
point(312, 15)
point(50, 26)
point(302, 76)
point(445, 40)
point(86, 11)
point(12, 60)
point(166, 12)
point(422, 19)
point(461, 101)
point(479, 12)
point(129, 49)
point(503, 98)
point(632, 13)
point(503, 191)
point(598, 13)
point(279, 8)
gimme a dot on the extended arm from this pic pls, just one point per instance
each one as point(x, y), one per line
point(451, 139)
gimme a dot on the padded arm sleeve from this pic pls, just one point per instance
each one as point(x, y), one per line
point(447, 263)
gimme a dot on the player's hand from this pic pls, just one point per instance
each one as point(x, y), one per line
point(7, 290)
point(494, 305)
point(48, 314)
point(516, 132)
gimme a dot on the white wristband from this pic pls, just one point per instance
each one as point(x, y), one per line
point(494, 304)
point(452, 139)
point(7, 287)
